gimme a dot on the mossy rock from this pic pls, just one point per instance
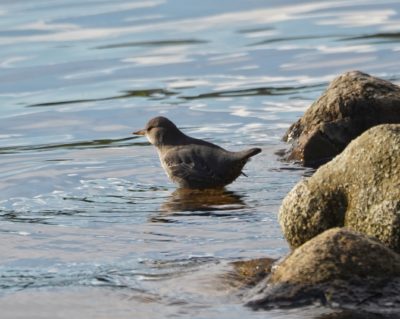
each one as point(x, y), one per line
point(358, 189)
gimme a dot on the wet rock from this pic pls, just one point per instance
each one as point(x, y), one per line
point(359, 189)
point(338, 268)
point(356, 314)
point(353, 103)
point(337, 253)
point(251, 272)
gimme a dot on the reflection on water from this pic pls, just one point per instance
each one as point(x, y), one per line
point(202, 200)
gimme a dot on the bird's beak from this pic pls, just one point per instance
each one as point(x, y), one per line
point(141, 132)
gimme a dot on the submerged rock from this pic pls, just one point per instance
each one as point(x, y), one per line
point(353, 103)
point(251, 272)
point(339, 268)
point(359, 189)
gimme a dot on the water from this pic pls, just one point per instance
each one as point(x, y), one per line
point(89, 224)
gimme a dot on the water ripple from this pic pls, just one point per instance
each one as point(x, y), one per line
point(108, 200)
point(156, 43)
point(102, 143)
point(151, 94)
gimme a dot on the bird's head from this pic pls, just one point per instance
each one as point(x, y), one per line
point(160, 131)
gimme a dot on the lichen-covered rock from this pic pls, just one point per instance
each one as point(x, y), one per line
point(359, 189)
point(337, 268)
point(353, 103)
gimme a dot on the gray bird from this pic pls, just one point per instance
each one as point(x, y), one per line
point(191, 162)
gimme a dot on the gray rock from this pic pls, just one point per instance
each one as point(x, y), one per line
point(353, 103)
point(359, 189)
point(338, 268)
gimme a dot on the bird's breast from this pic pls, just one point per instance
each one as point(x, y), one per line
point(164, 164)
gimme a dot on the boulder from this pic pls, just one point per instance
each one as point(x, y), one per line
point(359, 189)
point(338, 268)
point(353, 103)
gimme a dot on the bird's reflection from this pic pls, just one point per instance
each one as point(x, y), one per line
point(219, 202)
point(202, 200)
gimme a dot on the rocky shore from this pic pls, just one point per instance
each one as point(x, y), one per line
point(343, 222)
point(359, 189)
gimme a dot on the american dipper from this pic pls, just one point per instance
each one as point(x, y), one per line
point(191, 162)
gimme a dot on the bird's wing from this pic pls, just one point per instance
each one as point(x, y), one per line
point(191, 167)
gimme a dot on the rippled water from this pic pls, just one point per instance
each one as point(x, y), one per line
point(89, 224)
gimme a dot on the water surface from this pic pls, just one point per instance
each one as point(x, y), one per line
point(90, 226)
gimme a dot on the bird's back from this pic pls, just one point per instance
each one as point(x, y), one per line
point(200, 164)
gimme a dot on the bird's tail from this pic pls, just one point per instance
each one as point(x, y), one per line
point(249, 153)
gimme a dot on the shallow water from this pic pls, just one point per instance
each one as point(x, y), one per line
point(89, 224)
